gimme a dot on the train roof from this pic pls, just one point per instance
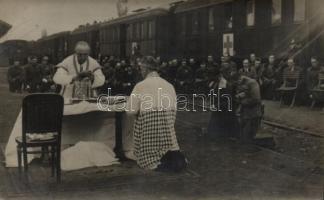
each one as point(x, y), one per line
point(138, 15)
point(55, 35)
point(86, 28)
point(196, 4)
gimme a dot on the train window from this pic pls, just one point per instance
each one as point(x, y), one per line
point(144, 30)
point(211, 20)
point(151, 29)
point(138, 31)
point(183, 25)
point(250, 12)
point(228, 15)
point(129, 32)
point(276, 11)
point(299, 10)
point(195, 23)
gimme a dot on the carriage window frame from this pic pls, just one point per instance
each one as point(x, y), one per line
point(151, 29)
point(228, 16)
point(211, 19)
point(195, 23)
point(183, 24)
point(300, 12)
point(250, 13)
point(144, 30)
point(276, 11)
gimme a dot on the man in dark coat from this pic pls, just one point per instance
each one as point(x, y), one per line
point(15, 76)
point(32, 76)
point(269, 80)
point(47, 73)
point(201, 79)
point(184, 78)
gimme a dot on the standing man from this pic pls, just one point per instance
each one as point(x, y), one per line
point(78, 67)
point(32, 76)
point(47, 72)
point(14, 76)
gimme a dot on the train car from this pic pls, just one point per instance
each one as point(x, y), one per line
point(240, 27)
point(88, 33)
point(145, 32)
point(55, 46)
point(14, 49)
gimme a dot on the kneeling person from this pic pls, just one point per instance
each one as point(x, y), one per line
point(153, 102)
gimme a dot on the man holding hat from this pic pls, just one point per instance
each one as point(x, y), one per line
point(78, 67)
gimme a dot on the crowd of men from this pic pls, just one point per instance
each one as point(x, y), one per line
point(34, 77)
point(187, 75)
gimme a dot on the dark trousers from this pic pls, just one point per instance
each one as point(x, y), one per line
point(15, 86)
point(249, 129)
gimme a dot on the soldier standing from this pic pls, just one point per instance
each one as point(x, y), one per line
point(14, 76)
point(32, 75)
point(47, 73)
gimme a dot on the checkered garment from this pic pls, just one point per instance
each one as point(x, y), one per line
point(154, 136)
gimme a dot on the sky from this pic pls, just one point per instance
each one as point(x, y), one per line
point(30, 17)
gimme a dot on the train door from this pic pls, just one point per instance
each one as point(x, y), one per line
point(228, 44)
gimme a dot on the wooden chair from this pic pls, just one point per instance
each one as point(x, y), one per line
point(41, 127)
point(318, 92)
point(290, 84)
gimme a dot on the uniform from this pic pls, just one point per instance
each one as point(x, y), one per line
point(15, 76)
point(32, 77)
point(184, 78)
point(47, 73)
point(269, 82)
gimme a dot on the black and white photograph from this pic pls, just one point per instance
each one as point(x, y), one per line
point(162, 99)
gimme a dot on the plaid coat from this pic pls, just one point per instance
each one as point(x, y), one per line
point(154, 136)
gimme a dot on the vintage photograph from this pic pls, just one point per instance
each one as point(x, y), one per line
point(162, 99)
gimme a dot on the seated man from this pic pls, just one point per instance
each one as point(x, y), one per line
point(153, 102)
point(78, 67)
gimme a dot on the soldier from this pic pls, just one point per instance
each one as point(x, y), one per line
point(248, 70)
point(193, 64)
point(201, 78)
point(184, 77)
point(109, 73)
point(47, 73)
point(253, 58)
point(258, 68)
point(128, 78)
point(32, 76)
point(250, 109)
point(269, 79)
point(15, 76)
point(227, 59)
point(312, 74)
point(163, 70)
point(211, 63)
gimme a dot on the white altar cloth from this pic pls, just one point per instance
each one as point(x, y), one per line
point(81, 122)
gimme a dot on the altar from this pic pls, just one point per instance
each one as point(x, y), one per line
point(84, 121)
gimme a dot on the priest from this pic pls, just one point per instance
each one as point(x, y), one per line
point(78, 67)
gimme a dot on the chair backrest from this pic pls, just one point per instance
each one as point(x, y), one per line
point(291, 77)
point(321, 80)
point(42, 113)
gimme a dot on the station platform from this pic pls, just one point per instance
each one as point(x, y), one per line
point(299, 118)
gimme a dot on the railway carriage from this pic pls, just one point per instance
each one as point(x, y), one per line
point(240, 27)
point(55, 46)
point(142, 33)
